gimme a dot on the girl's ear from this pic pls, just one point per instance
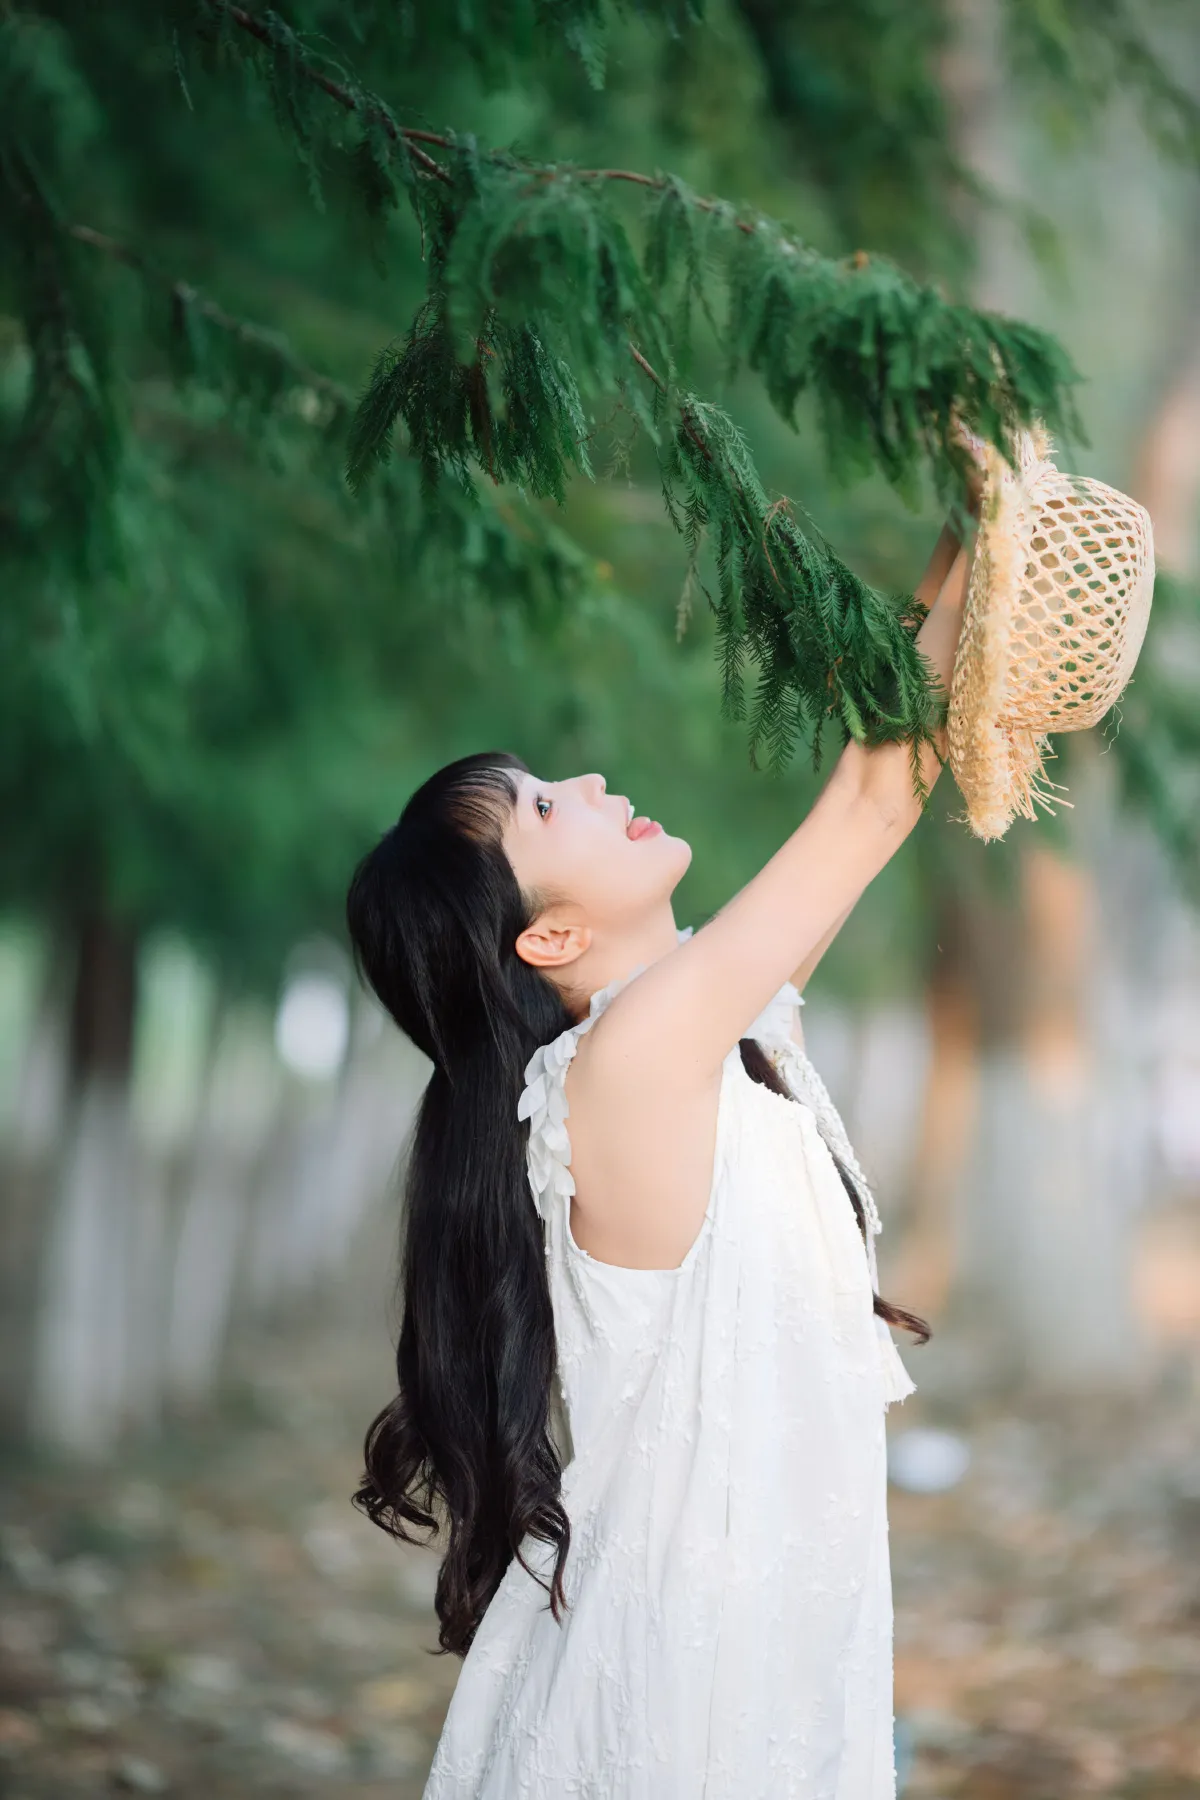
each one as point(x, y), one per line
point(553, 941)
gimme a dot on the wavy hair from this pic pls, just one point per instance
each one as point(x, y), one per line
point(434, 911)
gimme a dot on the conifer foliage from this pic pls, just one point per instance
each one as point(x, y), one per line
point(552, 293)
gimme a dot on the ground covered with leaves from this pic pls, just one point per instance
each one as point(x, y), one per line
point(211, 1619)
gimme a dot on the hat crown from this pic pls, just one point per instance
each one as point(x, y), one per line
point(1055, 617)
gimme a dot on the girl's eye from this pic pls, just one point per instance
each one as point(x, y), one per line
point(541, 802)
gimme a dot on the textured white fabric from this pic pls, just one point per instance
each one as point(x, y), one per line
point(729, 1624)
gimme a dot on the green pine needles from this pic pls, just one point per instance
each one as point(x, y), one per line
point(551, 288)
point(538, 297)
point(553, 293)
point(821, 641)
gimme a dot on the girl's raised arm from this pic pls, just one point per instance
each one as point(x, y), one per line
point(706, 993)
point(927, 591)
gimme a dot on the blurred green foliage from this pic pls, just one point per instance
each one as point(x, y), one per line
point(221, 668)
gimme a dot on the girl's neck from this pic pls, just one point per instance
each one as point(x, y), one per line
point(617, 958)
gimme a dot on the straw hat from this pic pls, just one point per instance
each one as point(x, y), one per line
point(1055, 615)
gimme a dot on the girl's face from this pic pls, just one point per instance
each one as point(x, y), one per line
point(573, 842)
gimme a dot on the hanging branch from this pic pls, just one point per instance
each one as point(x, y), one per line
point(537, 302)
point(469, 536)
point(853, 658)
point(891, 363)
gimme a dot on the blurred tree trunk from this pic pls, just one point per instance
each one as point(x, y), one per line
point(1043, 1251)
point(333, 1159)
point(81, 1373)
point(211, 1226)
point(1166, 471)
point(1046, 1244)
point(34, 1130)
point(1166, 477)
point(922, 1269)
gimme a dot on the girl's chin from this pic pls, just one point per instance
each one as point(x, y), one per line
point(680, 848)
point(655, 834)
point(664, 846)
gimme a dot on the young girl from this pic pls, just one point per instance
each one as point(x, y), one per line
point(642, 1367)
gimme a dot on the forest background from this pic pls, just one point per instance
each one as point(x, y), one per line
point(227, 273)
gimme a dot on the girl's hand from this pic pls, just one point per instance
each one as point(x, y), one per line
point(939, 634)
point(976, 474)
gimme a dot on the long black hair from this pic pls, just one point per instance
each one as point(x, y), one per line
point(434, 911)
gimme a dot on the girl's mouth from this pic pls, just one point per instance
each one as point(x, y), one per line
point(642, 827)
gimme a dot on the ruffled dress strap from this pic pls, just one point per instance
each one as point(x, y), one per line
point(544, 1103)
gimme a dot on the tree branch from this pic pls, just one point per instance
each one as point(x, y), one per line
point(258, 28)
point(685, 417)
point(429, 165)
point(184, 294)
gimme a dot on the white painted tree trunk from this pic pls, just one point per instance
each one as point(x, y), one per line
point(80, 1351)
point(148, 1276)
point(1061, 1160)
point(334, 1158)
point(84, 1343)
point(205, 1271)
point(1047, 1246)
point(239, 1098)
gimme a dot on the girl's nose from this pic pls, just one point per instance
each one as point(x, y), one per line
point(597, 786)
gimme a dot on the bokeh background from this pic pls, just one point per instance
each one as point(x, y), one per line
point(202, 1117)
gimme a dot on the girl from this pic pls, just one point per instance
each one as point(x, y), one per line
point(642, 1367)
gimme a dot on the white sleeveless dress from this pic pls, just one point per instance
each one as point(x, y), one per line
point(729, 1629)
